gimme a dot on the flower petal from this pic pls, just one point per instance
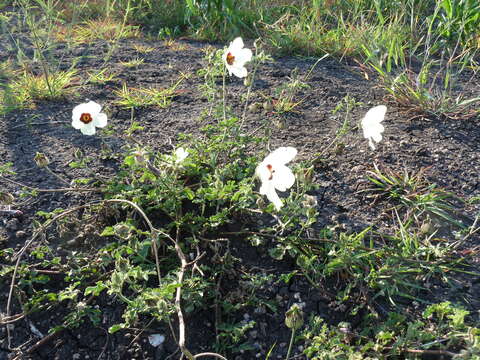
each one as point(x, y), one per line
point(79, 110)
point(283, 178)
point(88, 129)
point(243, 55)
point(274, 198)
point(93, 108)
point(180, 155)
point(236, 44)
point(263, 173)
point(376, 136)
point(374, 115)
point(373, 130)
point(76, 123)
point(371, 124)
point(240, 72)
point(229, 68)
point(100, 120)
point(282, 155)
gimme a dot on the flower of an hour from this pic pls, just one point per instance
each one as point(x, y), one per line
point(87, 116)
point(274, 175)
point(235, 58)
point(180, 155)
point(371, 124)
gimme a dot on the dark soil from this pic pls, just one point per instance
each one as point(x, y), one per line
point(446, 150)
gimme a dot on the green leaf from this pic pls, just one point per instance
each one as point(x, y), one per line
point(95, 290)
point(114, 328)
point(189, 193)
point(108, 231)
point(277, 253)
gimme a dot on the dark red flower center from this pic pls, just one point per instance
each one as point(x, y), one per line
point(270, 168)
point(86, 118)
point(230, 58)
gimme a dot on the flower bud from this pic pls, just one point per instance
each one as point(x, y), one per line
point(294, 317)
point(267, 105)
point(253, 107)
point(41, 160)
point(427, 228)
point(6, 198)
point(261, 203)
point(122, 230)
point(308, 175)
point(279, 123)
point(309, 201)
point(140, 157)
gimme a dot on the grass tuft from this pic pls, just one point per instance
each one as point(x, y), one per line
point(132, 98)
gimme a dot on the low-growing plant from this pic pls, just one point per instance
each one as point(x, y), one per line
point(133, 63)
point(102, 76)
point(27, 88)
point(102, 29)
point(414, 194)
point(212, 18)
point(458, 20)
point(143, 49)
point(442, 325)
point(132, 98)
point(56, 86)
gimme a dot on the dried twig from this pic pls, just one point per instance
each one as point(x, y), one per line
point(11, 319)
point(429, 352)
point(198, 356)
point(13, 182)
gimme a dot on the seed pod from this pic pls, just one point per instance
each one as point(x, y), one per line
point(309, 201)
point(294, 317)
point(279, 123)
point(253, 107)
point(267, 105)
point(41, 160)
point(6, 198)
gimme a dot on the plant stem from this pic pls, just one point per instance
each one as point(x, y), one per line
point(291, 344)
point(252, 80)
point(224, 92)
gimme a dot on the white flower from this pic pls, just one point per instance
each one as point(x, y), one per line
point(235, 58)
point(275, 175)
point(180, 155)
point(87, 116)
point(372, 129)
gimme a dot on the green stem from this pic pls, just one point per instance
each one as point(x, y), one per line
point(291, 344)
point(56, 175)
point(224, 92)
point(252, 80)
